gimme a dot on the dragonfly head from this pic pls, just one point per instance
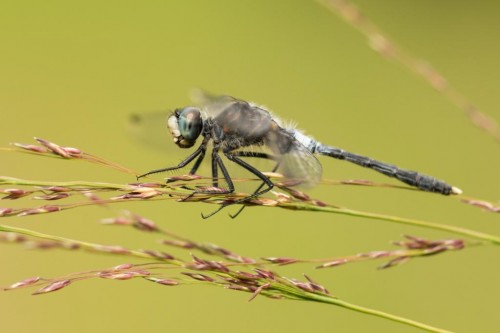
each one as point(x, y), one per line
point(185, 125)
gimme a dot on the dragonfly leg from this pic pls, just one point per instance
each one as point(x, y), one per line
point(198, 162)
point(234, 157)
point(258, 155)
point(201, 150)
point(218, 164)
point(215, 165)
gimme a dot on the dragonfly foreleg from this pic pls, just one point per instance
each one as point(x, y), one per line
point(201, 150)
point(198, 162)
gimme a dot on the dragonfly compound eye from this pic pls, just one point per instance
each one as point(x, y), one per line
point(185, 125)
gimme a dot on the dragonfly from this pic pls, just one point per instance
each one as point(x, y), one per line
point(234, 127)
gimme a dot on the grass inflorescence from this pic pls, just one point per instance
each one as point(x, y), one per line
point(214, 265)
point(210, 264)
point(225, 269)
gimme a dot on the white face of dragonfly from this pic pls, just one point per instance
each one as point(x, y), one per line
point(185, 125)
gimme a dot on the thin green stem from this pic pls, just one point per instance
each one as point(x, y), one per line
point(295, 205)
point(86, 245)
point(426, 224)
point(377, 313)
point(295, 293)
point(85, 184)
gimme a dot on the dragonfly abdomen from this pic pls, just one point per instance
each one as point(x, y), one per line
point(412, 178)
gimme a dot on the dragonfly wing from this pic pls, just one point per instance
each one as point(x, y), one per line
point(150, 128)
point(300, 165)
point(210, 103)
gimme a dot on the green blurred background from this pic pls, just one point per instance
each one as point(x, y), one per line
point(72, 72)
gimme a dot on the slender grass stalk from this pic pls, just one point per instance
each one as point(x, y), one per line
point(378, 313)
point(179, 188)
point(93, 247)
point(178, 193)
point(265, 283)
point(419, 223)
point(383, 45)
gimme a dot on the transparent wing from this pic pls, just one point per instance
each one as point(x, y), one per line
point(210, 103)
point(300, 165)
point(150, 128)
